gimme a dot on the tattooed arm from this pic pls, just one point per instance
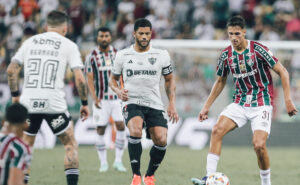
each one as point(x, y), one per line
point(13, 71)
point(170, 90)
point(82, 91)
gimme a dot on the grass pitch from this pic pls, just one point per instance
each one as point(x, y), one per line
point(180, 164)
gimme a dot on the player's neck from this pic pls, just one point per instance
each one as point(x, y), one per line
point(104, 50)
point(56, 31)
point(241, 47)
point(16, 130)
point(139, 49)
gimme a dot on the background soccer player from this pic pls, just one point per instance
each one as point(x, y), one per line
point(45, 58)
point(250, 63)
point(142, 66)
point(15, 154)
point(106, 103)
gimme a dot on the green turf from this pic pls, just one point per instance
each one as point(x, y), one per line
point(180, 164)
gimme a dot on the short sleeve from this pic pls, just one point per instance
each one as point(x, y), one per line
point(74, 57)
point(167, 65)
point(222, 67)
point(20, 158)
point(118, 64)
point(20, 54)
point(266, 55)
point(88, 64)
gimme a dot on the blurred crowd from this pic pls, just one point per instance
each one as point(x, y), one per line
point(171, 19)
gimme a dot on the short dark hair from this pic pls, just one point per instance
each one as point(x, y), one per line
point(236, 21)
point(104, 29)
point(142, 22)
point(56, 18)
point(16, 113)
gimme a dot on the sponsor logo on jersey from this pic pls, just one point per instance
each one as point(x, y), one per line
point(131, 72)
point(233, 65)
point(130, 62)
point(39, 104)
point(51, 42)
point(243, 75)
point(57, 122)
point(152, 60)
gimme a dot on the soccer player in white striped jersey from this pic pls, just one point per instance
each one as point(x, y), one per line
point(15, 154)
point(106, 102)
point(142, 67)
point(45, 57)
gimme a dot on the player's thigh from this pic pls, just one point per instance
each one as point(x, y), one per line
point(156, 124)
point(134, 119)
point(232, 116)
point(101, 116)
point(59, 122)
point(261, 118)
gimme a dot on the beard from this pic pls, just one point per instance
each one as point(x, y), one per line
point(103, 45)
point(139, 42)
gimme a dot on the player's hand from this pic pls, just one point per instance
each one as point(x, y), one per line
point(172, 113)
point(84, 112)
point(97, 103)
point(203, 115)
point(15, 99)
point(123, 94)
point(291, 108)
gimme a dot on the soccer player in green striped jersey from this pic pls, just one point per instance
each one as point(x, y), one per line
point(15, 155)
point(106, 103)
point(250, 63)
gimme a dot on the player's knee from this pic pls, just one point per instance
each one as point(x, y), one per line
point(259, 145)
point(136, 132)
point(160, 139)
point(218, 131)
point(100, 130)
point(120, 126)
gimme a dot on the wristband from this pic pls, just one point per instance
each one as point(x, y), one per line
point(84, 102)
point(15, 93)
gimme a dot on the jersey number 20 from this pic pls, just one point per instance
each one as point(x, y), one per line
point(43, 73)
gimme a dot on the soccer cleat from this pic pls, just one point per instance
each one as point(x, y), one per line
point(103, 168)
point(136, 180)
point(202, 181)
point(149, 180)
point(119, 167)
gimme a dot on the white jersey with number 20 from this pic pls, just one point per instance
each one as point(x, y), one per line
point(45, 58)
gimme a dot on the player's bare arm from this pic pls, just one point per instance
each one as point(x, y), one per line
point(215, 92)
point(82, 91)
point(90, 82)
point(16, 176)
point(170, 90)
point(13, 71)
point(285, 80)
point(113, 84)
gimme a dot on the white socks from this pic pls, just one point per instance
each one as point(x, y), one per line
point(265, 176)
point(212, 163)
point(120, 142)
point(101, 149)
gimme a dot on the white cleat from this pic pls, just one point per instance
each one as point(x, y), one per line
point(103, 168)
point(119, 167)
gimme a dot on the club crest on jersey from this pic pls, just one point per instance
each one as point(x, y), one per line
point(152, 60)
point(250, 62)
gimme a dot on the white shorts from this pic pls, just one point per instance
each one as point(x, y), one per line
point(260, 117)
point(109, 108)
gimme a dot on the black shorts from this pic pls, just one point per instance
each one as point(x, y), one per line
point(152, 117)
point(58, 123)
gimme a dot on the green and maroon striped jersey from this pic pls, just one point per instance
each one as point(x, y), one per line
point(13, 153)
point(100, 64)
point(251, 74)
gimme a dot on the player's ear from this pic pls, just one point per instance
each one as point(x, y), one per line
point(46, 27)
